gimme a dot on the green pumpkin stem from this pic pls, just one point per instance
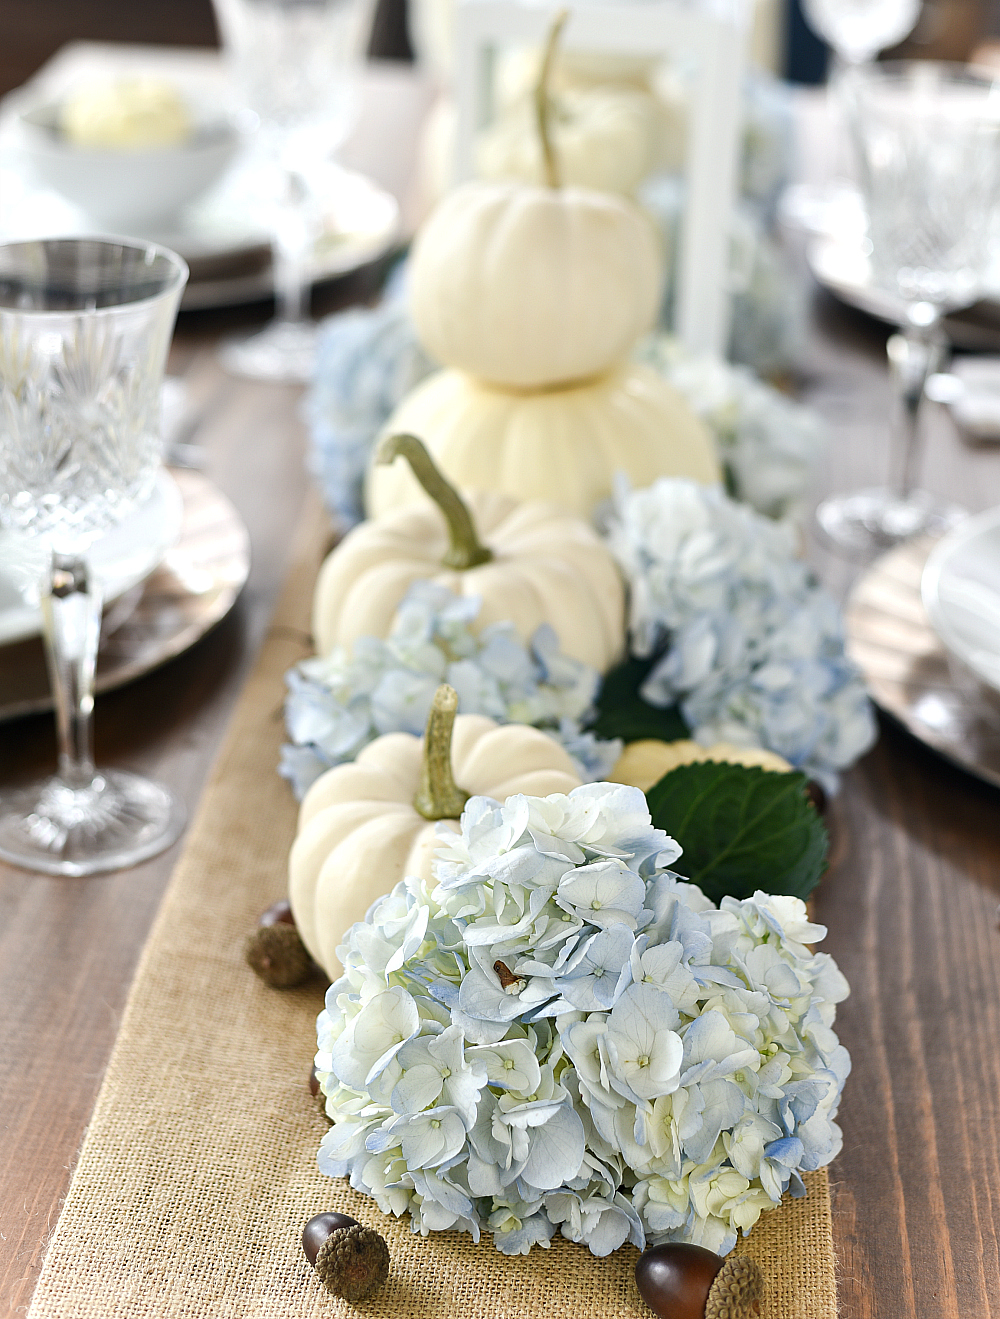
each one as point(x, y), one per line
point(466, 549)
point(543, 105)
point(440, 798)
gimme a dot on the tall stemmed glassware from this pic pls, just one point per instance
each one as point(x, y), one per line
point(856, 30)
point(295, 65)
point(85, 325)
point(928, 143)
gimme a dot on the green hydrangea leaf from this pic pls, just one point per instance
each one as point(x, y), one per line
point(621, 711)
point(741, 829)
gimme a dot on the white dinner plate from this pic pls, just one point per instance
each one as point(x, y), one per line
point(961, 593)
point(125, 556)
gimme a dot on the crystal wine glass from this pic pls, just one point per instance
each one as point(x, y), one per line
point(927, 137)
point(85, 324)
point(856, 30)
point(294, 63)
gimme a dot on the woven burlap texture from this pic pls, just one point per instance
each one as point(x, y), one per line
point(199, 1167)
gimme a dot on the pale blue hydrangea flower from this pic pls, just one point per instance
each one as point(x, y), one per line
point(767, 442)
point(500, 1057)
point(742, 636)
point(366, 361)
point(338, 703)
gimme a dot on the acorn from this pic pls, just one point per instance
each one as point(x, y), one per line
point(351, 1261)
point(275, 951)
point(681, 1281)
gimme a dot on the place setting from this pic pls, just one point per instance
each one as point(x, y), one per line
point(491, 977)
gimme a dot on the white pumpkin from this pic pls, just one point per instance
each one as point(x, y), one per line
point(609, 139)
point(563, 445)
point(530, 563)
point(360, 833)
point(526, 286)
point(645, 762)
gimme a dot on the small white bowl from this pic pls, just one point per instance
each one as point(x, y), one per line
point(131, 189)
point(961, 593)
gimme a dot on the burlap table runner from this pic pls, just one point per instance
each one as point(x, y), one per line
point(198, 1169)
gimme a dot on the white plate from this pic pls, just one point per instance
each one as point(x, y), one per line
point(222, 236)
point(123, 557)
point(961, 593)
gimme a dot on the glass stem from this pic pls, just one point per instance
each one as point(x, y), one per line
point(914, 355)
point(72, 619)
point(291, 241)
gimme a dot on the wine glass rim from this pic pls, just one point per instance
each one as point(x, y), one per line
point(178, 277)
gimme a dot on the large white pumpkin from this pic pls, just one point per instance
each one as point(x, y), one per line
point(359, 832)
point(525, 286)
point(547, 566)
point(562, 445)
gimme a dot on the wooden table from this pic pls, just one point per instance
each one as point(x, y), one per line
point(910, 899)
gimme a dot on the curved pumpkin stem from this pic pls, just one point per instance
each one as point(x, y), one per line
point(440, 798)
point(466, 549)
point(543, 105)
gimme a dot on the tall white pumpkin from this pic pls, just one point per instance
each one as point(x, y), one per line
point(525, 286)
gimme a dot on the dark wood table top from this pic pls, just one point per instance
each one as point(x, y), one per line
point(910, 898)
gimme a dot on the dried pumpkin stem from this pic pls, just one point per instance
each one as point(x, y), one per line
point(543, 103)
point(466, 549)
point(440, 798)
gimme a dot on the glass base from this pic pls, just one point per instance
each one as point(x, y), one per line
point(283, 350)
point(116, 821)
point(868, 521)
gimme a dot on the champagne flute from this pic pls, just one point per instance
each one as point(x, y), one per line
point(927, 137)
point(85, 324)
point(295, 64)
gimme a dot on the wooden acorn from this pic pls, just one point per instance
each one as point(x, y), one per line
point(275, 951)
point(351, 1261)
point(681, 1281)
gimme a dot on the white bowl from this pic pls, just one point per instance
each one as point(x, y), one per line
point(127, 189)
point(961, 593)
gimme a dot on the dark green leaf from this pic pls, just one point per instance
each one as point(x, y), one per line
point(621, 711)
point(741, 829)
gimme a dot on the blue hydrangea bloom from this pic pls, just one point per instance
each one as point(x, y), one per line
point(559, 1033)
point(338, 703)
point(743, 636)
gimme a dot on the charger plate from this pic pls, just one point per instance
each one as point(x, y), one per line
point(194, 587)
point(906, 667)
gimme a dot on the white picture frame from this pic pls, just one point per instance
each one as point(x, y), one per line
point(711, 37)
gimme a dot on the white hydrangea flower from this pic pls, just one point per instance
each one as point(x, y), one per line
point(501, 1055)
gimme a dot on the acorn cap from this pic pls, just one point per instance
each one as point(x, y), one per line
point(353, 1263)
point(278, 955)
point(737, 1290)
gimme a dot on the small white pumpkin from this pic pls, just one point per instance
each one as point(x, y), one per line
point(365, 826)
point(563, 445)
point(535, 564)
point(605, 138)
point(526, 286)
point(645, 762)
